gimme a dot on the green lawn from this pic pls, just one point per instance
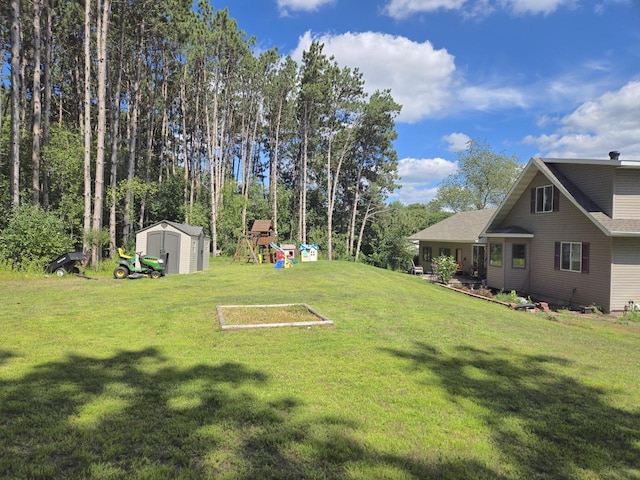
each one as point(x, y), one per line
point(135, 379)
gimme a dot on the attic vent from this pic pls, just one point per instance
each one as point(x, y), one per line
point(614, 155)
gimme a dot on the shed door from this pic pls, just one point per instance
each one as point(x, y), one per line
point(160, 243)
point(201, 253)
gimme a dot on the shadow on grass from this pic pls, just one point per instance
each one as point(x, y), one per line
point(134, 415)
point(546, 424)
point(4, 356)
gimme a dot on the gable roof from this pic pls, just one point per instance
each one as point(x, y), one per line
point(187, 229)
point(609, 226)
point(262, 226)
point(462, 227)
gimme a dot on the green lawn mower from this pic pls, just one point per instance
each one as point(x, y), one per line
point(138, 265)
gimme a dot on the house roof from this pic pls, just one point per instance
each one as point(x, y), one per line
point(462, 227)
point(609, 226)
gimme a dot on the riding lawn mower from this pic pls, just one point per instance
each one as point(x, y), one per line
point(138, 265)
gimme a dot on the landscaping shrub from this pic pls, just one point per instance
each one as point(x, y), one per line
point(445, 267)
point(511, 297)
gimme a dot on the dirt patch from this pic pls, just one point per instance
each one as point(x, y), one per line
point(233, 317)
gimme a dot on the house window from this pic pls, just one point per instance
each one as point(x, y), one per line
point(427, 254)
point(445, 251)
point(495, 254)
point(544, 199)
point(518, 256)
point(478, 261)
point(571, 256)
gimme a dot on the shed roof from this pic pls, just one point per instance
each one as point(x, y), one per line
point(462, 227)
point(190, 230)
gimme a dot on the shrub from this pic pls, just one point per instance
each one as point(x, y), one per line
point(631, 316)
point(444, 267)
point(33, 237)
point(511, 297)
point(484, 292)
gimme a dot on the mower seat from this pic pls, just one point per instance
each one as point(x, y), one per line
point(123, 255)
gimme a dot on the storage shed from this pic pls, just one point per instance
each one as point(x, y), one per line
point(187, 246)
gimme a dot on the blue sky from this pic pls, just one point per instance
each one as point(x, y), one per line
point(555, 78)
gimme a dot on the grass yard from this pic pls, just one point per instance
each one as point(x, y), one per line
point(134, 379)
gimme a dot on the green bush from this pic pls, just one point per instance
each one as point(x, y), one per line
point(631, 316)
point(511, 297)
point(445, 267)
point(32, 238)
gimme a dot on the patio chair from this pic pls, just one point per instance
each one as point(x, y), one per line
point(416, 269)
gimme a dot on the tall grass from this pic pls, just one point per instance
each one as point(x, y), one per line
point(128, 379)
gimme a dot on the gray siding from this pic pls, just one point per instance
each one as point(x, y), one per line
point(516, 278)
point(568, 225)
point(595, 181)
point(435, 248)
point(495, 275)
point(626, 196)
point(189, 252)
point(625, 272)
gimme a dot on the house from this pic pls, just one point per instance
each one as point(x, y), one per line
point(569, 230)
point(457, 236)
point(185, 247)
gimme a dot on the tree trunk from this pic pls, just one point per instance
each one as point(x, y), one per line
point(211, 125)
point(36, 100)
point(273, 171)
point(185, 143)
point(48, 57)
point(15, 103)
point(86, 123)
point(103, 27)
point(115, 147)
point(133, 139)
point(164, 131)
point(354, 207)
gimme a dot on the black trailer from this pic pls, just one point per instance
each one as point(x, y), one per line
point(66, 263)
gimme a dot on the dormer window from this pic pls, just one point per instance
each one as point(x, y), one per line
point(544, 199)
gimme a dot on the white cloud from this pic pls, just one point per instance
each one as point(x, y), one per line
point(422, 79)
point(419, 76)
point(420, 178)
point(457, 142)
point(400, 9)
point(545, 7)
point(610, 122)
point(405, 8)
point(492, 98)
point(409, 194)
point(286, 6)
point(425, 170)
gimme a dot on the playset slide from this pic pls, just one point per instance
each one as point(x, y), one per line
point(283, 260)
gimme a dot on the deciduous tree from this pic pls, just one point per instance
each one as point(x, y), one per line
point(483, 179)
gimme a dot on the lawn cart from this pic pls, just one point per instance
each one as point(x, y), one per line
point(66, 263)
point(138, 265)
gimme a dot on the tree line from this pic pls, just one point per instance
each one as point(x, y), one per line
point(116, 114)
